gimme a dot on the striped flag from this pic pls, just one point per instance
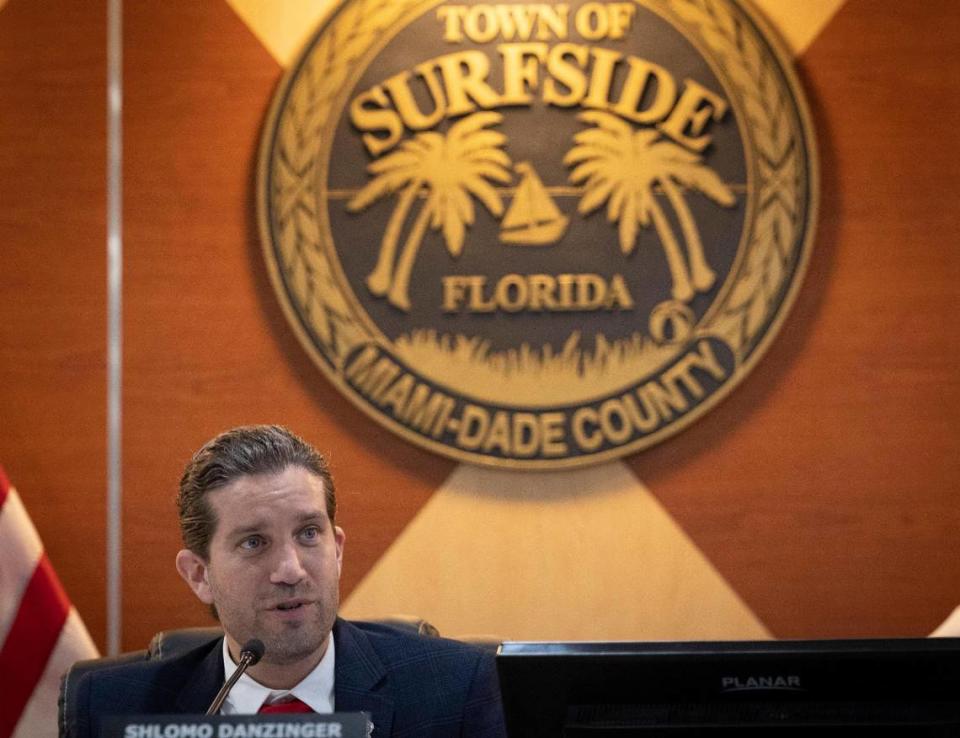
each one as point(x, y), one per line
point(40, 631)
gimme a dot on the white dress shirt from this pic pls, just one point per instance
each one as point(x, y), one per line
point(248, 695)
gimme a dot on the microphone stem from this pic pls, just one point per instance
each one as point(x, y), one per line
point(245, 658)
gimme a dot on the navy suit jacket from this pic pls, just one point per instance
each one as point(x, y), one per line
point(410, 685)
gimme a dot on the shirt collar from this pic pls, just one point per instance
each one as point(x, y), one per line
point(248, 695)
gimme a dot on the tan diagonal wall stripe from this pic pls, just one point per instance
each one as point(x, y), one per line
point(799, 21)
point(563, 555)
point(282, 27)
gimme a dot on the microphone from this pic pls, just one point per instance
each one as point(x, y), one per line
point(250, 654)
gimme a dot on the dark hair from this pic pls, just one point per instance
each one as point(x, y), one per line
point(240, 452)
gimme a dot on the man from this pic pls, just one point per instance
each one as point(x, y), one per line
point(262, 548)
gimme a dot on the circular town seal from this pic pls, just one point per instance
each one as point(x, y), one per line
point(538, 235)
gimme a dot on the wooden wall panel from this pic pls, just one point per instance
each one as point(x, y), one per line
point(207, 346)
point(52, 282)
point(824, 489)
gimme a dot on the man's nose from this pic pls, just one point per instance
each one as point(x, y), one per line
point(287, 569)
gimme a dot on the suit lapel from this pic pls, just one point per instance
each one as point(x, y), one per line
point(203, 684)
point(360, 681)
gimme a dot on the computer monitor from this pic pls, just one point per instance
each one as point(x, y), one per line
point(902, 687)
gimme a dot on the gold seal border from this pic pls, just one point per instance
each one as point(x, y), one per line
point(345, 34)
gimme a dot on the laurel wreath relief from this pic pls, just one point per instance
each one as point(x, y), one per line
point(301, 140)
point(774, 242)
point(303, 129)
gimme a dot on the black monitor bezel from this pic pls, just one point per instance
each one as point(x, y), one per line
point(919, 677)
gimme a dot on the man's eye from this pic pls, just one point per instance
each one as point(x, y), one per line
point(310, 534)
point(252, 543)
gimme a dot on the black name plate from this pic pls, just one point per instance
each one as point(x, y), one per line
point(335, 725)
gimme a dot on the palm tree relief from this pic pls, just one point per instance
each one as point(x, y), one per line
point(445, 170)
point(622, 166)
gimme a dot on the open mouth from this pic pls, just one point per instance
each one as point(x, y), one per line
point(287, 606)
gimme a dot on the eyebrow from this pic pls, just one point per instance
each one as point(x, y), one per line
point(257, 525)
point(244, 529)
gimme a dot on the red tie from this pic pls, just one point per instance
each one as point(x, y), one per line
point(293, 705)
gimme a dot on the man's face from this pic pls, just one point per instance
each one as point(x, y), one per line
point(274, 565)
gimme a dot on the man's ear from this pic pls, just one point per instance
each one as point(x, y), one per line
point(193, 569)
point(339, 537)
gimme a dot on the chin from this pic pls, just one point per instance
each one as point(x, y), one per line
point(290, 648)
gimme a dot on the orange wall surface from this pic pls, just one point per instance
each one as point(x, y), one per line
point(822, 491)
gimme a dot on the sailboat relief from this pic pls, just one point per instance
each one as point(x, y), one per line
point(533, 218)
